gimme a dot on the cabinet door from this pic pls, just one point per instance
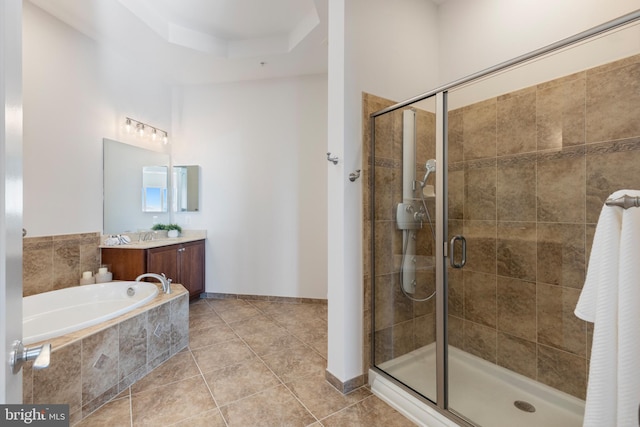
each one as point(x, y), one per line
point(164, 260)
point(192, 267)
point(125, 264)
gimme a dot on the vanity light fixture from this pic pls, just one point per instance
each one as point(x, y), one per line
point(143, 128)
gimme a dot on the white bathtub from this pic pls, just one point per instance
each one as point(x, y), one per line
point(52, 314)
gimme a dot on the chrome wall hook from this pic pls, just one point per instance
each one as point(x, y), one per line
point(354, 175)
point(333, 159)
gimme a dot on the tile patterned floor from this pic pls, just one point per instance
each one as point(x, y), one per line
point(249, 363)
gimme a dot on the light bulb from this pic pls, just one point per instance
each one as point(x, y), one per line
point(154, 134)
point(128, 125)
point(141, 129)
point(165, 138)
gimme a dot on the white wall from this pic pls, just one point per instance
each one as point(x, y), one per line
point(261, 146)
point(75, 94)
point(388, 49)
point(478, 34)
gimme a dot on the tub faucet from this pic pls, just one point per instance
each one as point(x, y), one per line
point(166, 283)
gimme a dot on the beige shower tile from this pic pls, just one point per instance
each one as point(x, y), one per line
point(479, 130)
point(171, 403)
point(561, 186)
point(557, 324)
point(425, 135)
point(516, 122)
point(455, 331)
point(516, 250)
point(384, 129)
point(388, 192)
point(60, 382)
point(391, 306)
point(403, 338)
point(455, 190)
point(455, 137)
point(612, 116)
point(480, 298)
point(388, 244)
point(561, 113)
point(561, 370)
point(368, 412)
point(516, 188)
point(561, 254)
point(456, 292)
point(611, 166)
point(382, 345)
point(480, 190)
point(222, 354)
point(239, 381)
point(274, 406)
point(517, 308)
point(517, 354)
point(178, 367)
point(424, 330)
point(481, 246)
point(480, 341)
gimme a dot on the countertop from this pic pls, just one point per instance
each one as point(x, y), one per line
point(160, 239)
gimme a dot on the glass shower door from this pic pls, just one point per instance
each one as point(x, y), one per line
point(403, 234)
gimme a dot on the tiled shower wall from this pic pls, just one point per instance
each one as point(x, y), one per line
point(56, 262)
point(401, 325)
point(528, 174)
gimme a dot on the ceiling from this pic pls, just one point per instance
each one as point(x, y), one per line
point(206, 41)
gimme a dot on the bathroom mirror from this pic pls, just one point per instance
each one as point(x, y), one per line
point(134, 187)
point(186, 188)
point(154, 189)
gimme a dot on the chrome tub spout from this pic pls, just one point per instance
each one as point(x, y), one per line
point(166, 283)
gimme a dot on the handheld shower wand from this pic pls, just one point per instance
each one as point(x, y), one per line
point(431, 167)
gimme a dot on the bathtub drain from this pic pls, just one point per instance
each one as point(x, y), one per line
point(524, 406)
point(131, 292)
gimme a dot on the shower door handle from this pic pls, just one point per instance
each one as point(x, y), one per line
point(452, 245)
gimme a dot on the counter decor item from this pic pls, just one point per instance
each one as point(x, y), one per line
point(173, 230)
point(87, 278)
point(103, 275)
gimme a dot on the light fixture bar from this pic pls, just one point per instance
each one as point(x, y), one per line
point(143, 128)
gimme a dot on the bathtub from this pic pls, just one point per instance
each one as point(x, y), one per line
point(52, 314)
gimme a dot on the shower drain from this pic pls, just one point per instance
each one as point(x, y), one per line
point(524, 406)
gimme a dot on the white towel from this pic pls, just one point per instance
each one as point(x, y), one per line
point(610, 299)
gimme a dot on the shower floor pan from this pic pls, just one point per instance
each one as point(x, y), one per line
point(485, 393)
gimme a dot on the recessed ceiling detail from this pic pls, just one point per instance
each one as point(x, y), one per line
point(229, 28)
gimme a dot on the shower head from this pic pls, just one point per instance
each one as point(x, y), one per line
point(431, 167)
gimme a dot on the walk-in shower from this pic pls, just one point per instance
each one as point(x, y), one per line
point(481, 211)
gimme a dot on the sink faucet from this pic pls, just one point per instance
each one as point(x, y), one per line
point(166, 283)
point(148, 235)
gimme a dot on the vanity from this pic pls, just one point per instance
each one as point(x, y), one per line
point(181, 259)
point(142, 188)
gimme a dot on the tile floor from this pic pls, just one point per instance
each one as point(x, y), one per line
point(249, 363)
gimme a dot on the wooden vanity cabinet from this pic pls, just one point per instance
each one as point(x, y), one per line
point(182, 263)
